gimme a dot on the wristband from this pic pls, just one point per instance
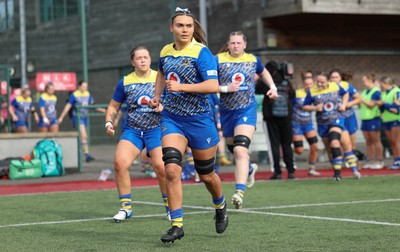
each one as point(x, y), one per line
point(224, 89)
point(273, 87)
point(108, 124)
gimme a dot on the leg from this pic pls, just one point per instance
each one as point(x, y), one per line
point(204, 163)
point(285, 134)
point(350, 158)
point(273, 133)
point(54, 128)
point(43, 129)
point(313, 154)
point(334, 144)
point(125, 153)
point(159, 169)
point(84, 142)
point(298, 144)
point(370, 146)
point(267, 140)
point(22, 129)
point(375, 141)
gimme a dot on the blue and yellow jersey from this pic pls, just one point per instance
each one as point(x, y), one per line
point(136, 93)
point(78, 98)
point(22, 107)
point(352, 91)
point(48, 102)
point(191, 65)
point(299, 115)
point(243, 70)
point(331, 97)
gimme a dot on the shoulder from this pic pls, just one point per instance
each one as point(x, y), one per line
point(167, 50)
point(301, 93)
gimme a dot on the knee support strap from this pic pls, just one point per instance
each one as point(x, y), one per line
point(333, 135)
point(204, 167)
point(230, 148)
point(298, 144)
point(241, 140)
point(312, 140)
point(336, 152)
point(172, 155)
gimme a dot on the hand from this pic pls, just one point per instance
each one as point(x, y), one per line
point(60, 120)
point(272, 94)
point(154, 102)
point(46, 120)
point(234, 86)
point(110, 130)
point(342, 108)
point(172, 86)
point(319, 107)
point(159, 108)
point(14, 118)
point(393, 110)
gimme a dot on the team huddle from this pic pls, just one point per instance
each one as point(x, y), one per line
point(168, 110)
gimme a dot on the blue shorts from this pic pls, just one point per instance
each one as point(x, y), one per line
point(323, 130)
point(18, 124)
point(149, 139)
point(390, 125)
point(231, 119)
point(350, 123)
point(302, 128)
point(43, 125)
point(201, 134)
point(84, 121)
point(371, 125)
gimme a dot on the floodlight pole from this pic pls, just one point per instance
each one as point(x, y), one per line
point(22, 37)
point(84, 41)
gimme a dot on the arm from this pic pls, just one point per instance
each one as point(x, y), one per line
point(310, 108)
point(111, 114)
point(267, 78)
point(209, 86)
point(356, 100)
point(369, 104)
point(345, 101)
point(67, 107)
point(159, 88)
point(12, 114)
point(35, 114)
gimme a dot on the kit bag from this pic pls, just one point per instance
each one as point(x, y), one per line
point(21, 169)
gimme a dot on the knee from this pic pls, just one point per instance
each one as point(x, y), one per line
point(204, 167)
point(159, 168)
point(121, 165)
point(299, 150)
point(172, 172)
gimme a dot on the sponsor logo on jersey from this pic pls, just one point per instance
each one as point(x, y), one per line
point(238, 77)
point(212, 73)
point(143, 101)
point(329, 106)
point(174, 77)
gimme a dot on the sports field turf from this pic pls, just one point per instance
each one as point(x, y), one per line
point(301, 215)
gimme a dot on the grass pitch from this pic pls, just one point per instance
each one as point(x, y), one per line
point(301, 215)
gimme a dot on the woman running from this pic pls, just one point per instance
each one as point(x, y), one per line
point(48, 113)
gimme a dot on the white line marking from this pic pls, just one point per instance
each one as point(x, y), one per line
point(323, 218)
point(94, 219)
point(324, 204)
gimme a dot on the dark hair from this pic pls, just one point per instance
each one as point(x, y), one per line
point(274, 69)
point(133, 51)
point(47, 86)
point(199, 34)
point(303, 74)
point(345, 76)
point(81, 82)
point(235, 33)
point(325, 74)
point(370, 76)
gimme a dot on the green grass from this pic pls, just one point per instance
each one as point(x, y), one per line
point(248, 230)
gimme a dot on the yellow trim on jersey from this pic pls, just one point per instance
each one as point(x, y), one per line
point(78, 93)
point(191, 50)
point(332, 87)
point(301, 93)
point(133, 78)
point(345, 85)
point(20, 98)
point(48, 97)
point(225, 57)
